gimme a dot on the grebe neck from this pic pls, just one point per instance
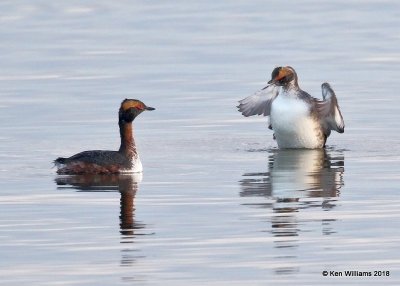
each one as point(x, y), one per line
point(128, 146)
point(291, 86)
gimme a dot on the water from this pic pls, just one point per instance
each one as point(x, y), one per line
point(218, 204)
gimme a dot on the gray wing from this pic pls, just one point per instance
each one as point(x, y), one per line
point(329, 110)
point(260, 102)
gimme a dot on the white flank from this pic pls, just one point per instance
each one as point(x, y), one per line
point(136, 167)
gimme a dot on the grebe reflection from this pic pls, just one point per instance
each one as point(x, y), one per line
point(296, 174)
point(295, 180)
point(127, 186)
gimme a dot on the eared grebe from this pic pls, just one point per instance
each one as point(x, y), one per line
point(126, 159)
point(297, 119)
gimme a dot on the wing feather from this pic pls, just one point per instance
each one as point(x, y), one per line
point(329, 110)
point(260, 102)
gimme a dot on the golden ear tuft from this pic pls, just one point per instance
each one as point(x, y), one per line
point(132, 103)
point(282, 73)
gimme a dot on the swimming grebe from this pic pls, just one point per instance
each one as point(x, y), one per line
point(297, 119)
point(126, 159)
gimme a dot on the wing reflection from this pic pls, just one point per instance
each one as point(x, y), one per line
point(295, 180)
point(127, 185)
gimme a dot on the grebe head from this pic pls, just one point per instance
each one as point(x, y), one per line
point(283, 76)
point(130, 108)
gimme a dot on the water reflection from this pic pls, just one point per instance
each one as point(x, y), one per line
point(127, 185)
point(296, 181)
point(294, 174)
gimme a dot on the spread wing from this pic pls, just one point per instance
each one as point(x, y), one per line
point(329, 110)
point(260, 102)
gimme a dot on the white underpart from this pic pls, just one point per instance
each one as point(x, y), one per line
point(136, 166)
point(292, 124)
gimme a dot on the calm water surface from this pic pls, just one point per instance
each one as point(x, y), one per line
point(217, 204)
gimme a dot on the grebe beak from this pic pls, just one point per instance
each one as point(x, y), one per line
point(149, 108)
